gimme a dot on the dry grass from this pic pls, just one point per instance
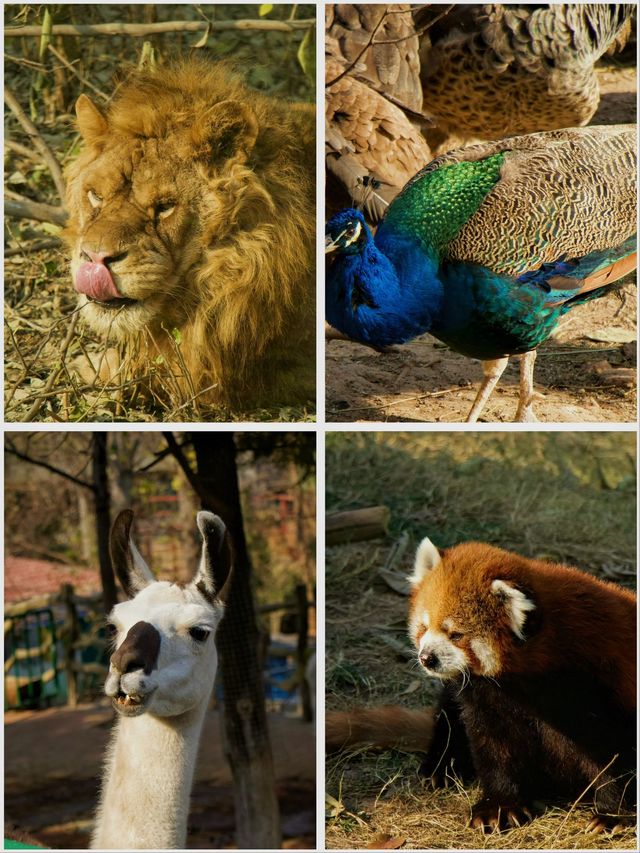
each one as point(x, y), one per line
point(560, 496)
point(46, 358)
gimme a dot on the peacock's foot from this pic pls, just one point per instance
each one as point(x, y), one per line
point(525, 415)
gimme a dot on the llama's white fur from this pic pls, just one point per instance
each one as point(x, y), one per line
point(150, 762)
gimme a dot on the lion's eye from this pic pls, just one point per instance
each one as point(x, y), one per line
point(165, 209)
point(94, 199)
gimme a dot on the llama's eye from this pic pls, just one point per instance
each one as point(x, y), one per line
point(94, 198)
point(199, 634)
point(110, 630)
point(455, 636)
point(165, 209)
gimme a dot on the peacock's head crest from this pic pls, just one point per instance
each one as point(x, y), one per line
point(347, 231)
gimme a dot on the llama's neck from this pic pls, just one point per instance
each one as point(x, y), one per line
point(147, 782)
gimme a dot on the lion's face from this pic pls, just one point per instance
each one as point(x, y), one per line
point(146, 204)
point(191, 207)
point(138, 218)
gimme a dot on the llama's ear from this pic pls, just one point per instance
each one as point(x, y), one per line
point(132, 571)
point(216, 557)
point(516, 603)
point(427, 558)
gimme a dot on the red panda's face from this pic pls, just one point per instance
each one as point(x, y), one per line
point(463, 618)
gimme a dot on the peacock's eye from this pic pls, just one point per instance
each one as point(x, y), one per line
point(199, 634)
point(351, 230)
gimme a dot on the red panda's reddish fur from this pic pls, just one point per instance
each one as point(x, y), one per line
point(583, 621)
point(385, 727)
point(539, 672)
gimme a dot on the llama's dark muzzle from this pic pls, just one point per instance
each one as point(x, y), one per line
point(139, 650)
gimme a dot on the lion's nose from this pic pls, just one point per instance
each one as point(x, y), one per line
point(105, 258)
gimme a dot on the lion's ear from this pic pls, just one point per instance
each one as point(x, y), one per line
point(229, 129)
point(92, 122)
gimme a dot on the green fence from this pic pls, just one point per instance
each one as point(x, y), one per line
point(55, 650)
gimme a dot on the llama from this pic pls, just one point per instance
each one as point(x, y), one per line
point(160, 679)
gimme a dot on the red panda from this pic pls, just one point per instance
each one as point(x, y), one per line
point(538, 660)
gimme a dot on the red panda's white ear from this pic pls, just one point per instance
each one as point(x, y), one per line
point(516, 604)
point(427, 558)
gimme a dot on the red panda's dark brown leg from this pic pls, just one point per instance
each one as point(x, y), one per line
point(613, 801)
point(449, 754)
point(503, 745)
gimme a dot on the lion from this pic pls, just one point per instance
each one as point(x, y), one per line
point(192, 234)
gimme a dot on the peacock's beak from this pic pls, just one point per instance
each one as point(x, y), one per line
point(331, 245)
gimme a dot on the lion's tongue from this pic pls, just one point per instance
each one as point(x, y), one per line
point(95, 281)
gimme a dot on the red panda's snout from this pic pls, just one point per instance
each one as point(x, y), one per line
point(441, 657)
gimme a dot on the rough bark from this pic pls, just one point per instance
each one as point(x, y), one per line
point(103, 517)
point(245, 720)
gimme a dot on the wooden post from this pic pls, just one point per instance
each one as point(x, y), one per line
point(356, 525)
point(70, 639)
point(301, 649)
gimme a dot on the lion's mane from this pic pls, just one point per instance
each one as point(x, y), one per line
point(243, 299)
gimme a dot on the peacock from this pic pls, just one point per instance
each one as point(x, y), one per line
point(488, 246)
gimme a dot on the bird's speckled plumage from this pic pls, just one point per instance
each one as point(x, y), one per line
point(492, 70)
point(488, 246)
point(372, 100)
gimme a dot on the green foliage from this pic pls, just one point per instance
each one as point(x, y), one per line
point(307, 53)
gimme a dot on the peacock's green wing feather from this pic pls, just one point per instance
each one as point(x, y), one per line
point(544, 196)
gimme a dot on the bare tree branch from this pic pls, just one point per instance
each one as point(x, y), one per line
point(163, 27)
point(183, 462)
point(24, 208)
point(22, 150)
point(26, 249)
point(35, 408)
point(32, 132)
point(75, 71)
point(207, 499)
point(13, 450)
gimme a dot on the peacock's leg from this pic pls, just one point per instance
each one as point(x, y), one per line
point(492, 370)
point(525, 403)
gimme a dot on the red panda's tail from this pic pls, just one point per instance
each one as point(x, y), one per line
point(386, 727)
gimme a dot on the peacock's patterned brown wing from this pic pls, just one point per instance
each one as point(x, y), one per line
point(560, 193)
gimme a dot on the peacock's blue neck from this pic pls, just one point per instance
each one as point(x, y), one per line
point(386, 293)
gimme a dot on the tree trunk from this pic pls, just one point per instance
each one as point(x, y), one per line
point(103, 517)
point(246, 735)
point(86, 526)
point(301, 650)
point(190, 542)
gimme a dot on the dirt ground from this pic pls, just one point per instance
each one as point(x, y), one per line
point(52, 762)
point(426, 381)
